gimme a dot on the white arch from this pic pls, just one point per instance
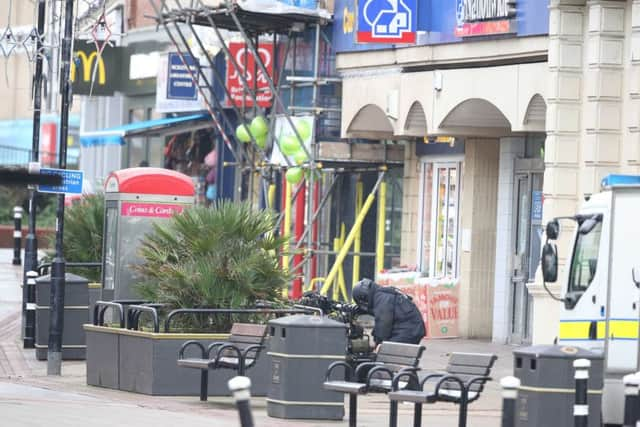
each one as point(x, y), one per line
point(475, 113)
point(415, 123)
point(370, 122)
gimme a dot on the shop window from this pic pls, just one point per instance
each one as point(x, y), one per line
point(144, 149)
point(440, 218)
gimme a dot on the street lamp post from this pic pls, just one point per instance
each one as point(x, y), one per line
point(56, 320)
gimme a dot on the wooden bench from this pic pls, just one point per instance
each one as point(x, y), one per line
point(461, 383)
point(240, 352)
point(374, 377)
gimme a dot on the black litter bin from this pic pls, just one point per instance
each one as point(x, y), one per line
point(301, 348)
point(76, 314)
point(547, 390)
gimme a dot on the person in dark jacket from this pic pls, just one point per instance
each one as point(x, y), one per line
point(396, 316)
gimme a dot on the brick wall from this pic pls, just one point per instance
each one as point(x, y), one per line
point(136, 11)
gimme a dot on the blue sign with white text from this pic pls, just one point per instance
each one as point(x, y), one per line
point(180, 85)
point(436, 21)
point(387, 21)
point(71, 181)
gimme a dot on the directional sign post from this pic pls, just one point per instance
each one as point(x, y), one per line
point(71, 181)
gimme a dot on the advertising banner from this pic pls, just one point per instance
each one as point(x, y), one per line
point(248, 67)
point(437, 300)
point(153, 210)
point(94, 74)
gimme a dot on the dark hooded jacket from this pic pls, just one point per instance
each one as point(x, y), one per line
point(396, 316)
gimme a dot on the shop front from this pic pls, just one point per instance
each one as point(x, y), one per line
point(473, 114)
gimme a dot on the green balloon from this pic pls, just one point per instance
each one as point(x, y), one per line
point(294, 175)
point(259, 126)
point(242, 133)
point(289, 145)
point(261, 141)
point(304, 129)
point(300, 157)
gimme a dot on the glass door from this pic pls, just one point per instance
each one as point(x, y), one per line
point(528, 236)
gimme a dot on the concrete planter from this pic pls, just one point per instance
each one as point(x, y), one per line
point(146, 362)
point(76, 314)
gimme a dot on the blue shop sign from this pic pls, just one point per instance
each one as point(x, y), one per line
point(72, 181)
point(179, 82)
point(436, 21)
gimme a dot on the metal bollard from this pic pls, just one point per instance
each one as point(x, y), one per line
point(241, 389)
point(510, 386)
point(631, 399)
point(29, 338)
point(17, 235)
point(581, 406)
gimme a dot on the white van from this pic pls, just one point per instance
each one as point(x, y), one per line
point(601, 295)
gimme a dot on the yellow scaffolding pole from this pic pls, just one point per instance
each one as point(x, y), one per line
point(271, 196)
point(287, 234)
point(351, 237)
point(342, 285)
point(382, 219)
point(358, 241)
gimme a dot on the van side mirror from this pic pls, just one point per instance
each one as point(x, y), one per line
point(549, 263)
point(553, 229)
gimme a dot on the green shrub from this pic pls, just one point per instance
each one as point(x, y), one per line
point(83, 223)
point(219, 257)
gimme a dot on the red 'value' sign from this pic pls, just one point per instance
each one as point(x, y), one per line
point(248, 67)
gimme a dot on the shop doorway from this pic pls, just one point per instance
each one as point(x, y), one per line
point(528, 201)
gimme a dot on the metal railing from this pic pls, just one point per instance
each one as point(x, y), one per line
point(16, 156)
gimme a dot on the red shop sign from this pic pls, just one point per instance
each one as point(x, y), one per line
point(246, 62)
point(155, 210)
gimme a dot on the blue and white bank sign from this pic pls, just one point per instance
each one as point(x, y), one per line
point(387, 21)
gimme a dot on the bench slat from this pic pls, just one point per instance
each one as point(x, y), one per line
point(400, 349)
point(250, 329)
point(468, 370)
point(396, 360)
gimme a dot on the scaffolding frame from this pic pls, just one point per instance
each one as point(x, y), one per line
point(312, 195)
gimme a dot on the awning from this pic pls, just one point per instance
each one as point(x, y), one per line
point(159, 127)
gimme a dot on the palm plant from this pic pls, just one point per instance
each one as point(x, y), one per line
point(83, 222)
point(219, 257)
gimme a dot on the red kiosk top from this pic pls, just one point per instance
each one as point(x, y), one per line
point(148, 180)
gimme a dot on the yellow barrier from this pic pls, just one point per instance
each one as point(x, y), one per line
point(382, 218)
point(357, 243)
point(351, 237)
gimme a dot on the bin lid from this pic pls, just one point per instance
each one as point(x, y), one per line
point(147, 180)
point(69, 279)
point(307, 321)
point(557, 352)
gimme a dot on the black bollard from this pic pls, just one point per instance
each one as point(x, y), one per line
point(631, 399)
point(241, 389)
point(17, 235)
point(510, 386)
point(581, 406)
point(29, 338)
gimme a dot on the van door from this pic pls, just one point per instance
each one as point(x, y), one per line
point(622, 323)
point(583, 315)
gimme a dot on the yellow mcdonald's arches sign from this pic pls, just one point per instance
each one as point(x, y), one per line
point(87, 64)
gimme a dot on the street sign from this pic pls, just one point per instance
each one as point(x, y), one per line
point(71, 181)
point(179, 82)
point(247, 62)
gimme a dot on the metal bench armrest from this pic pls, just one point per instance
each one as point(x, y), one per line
point(452, 378)
point(478, 379)
point(189, 343)
point(348, 369)
point(379, 368)
point(212, 346)
point(363, 365)
point(251, 348)
point(409, 373)
point(222, 349)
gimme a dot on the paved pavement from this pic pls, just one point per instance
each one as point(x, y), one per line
point(30, 398)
